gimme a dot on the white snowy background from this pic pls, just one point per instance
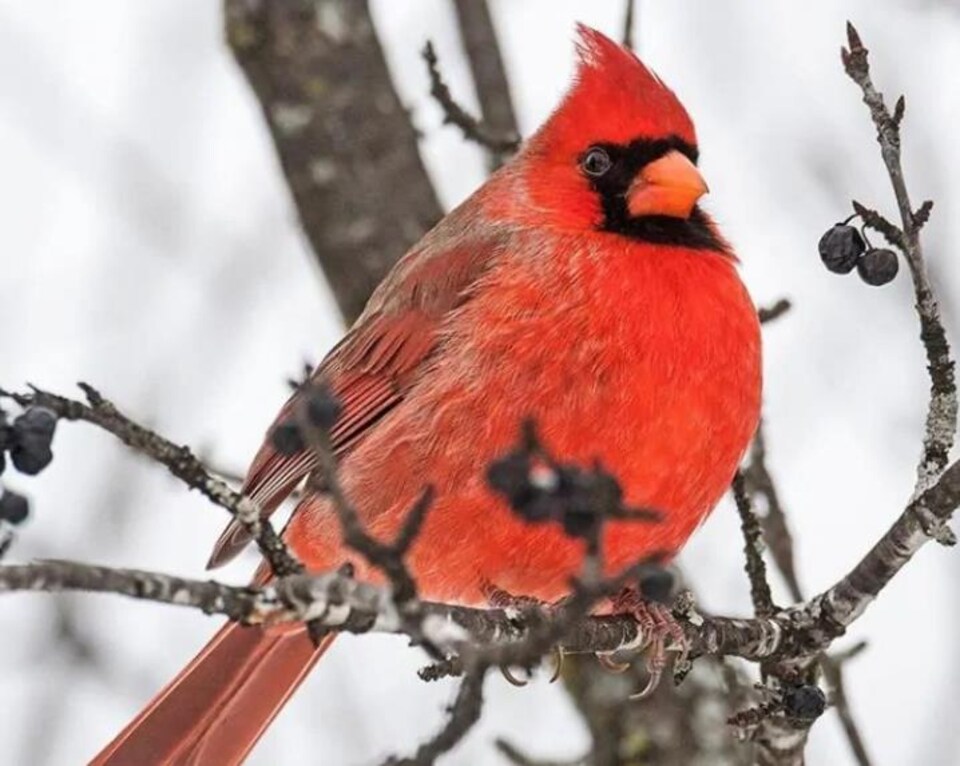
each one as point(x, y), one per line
point(149, 246)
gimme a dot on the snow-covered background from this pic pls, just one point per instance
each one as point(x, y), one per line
point(148, 245)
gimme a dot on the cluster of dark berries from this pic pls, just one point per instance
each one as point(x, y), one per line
point(539, 489)
point(843, 248)
point(314, 403)
point(27, 441)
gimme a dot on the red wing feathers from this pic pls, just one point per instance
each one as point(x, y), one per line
point(369, 371)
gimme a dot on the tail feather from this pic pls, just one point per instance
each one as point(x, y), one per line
point(214, 712)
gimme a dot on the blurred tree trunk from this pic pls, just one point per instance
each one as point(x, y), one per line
point(345, 142)
point(674, 726)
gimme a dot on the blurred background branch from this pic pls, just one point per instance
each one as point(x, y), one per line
point(343, 137)
point(479, 38)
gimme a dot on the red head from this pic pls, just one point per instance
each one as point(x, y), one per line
point(618, 154)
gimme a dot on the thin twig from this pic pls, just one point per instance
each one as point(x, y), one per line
point(777, 310)
point(389, 558)
point(776, 531)
point(941, 421)
point(833, 673)
point(628, 23)
point(464, 713)
point(454, 114)
point(178, 459)
point(752, 547)
point(479, 37)
point(779, 541)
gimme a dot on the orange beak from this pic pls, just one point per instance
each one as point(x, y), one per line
point(669, 186)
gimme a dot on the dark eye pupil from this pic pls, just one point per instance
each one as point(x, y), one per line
point(596, 162)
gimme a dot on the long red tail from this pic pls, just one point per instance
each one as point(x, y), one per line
point(214, 712)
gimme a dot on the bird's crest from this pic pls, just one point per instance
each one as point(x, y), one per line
point(615, 98)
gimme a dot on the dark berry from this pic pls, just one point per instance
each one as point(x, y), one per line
point(806, 702)
point(323, 408)
point(13, 507)
point(31, 458)
point(878, 266)
point(840, 248)
point(35, 422)
point(32, 434)
point(287, 439)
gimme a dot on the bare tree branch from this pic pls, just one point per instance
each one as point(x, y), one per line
point(178, 459)
point(776, 531)
point(833, 673)
point(479, 38)
point(941, 424)
point(628, 24)
point(779, 541)
point(454, 114)
point(464, 713)
point(336, 601)
point(780, 736)
point(344, 140)
point(387, 557)
point(777, 310)
point(756, 569)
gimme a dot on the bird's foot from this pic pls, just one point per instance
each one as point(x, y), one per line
point(498, 598)
point(660, 634)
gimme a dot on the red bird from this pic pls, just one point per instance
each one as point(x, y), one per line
point(580, 286)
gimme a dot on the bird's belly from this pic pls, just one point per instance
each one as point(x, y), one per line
point(667, 412)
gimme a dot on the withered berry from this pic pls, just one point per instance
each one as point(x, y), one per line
point(878, 266)
point(840, 248)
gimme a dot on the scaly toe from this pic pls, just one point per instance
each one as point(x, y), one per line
point(661, 633)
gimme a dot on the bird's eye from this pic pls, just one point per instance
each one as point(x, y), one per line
point(596, 162)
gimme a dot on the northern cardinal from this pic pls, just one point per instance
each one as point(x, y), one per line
point(580, 286)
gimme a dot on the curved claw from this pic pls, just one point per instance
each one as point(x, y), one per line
point(611, 665)
point(511, 678)
point(656, 662)
point(651, 686)
point(558, 664)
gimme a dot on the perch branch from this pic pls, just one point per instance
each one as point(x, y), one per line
point(342, 603)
